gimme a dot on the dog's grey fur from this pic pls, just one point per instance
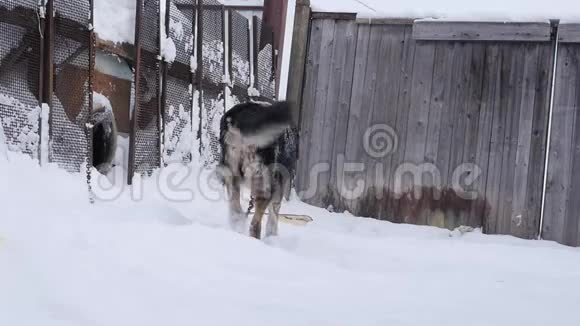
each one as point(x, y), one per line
point(104, 138)
point(256, 153)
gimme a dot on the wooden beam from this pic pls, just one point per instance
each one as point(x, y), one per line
point(569, 33)
point(334, 15)
point(481, 31)
point(298, 56)
point(385, 21)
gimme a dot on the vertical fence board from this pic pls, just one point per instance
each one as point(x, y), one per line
point(386, 111)
point(471, 214)
point(308, 105)
point(562, 208)
point(560, 172)
point(323, 114)
point(354, 116)
point(537, 168)
point(520, 215)
point(403, 105)
point(339, 100)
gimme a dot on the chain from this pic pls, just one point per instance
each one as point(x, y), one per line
point(250, 205)
point(89, 134)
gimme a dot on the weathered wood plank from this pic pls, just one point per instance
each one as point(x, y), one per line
point(385, 21)
point(569, 33)
point(480, 31)
point(462, 81)
point(402, 118)
point(560, 170)
point(346, 68)
point(480, 209)
point(448, 99)
point(438, 148)
point(495, 81)
point(298, 56)
point(418, 121)
point(522, 217)
point(388, 102)
point(334, 15)
point(572, 225)
point(352, 150)
point(308, 104)
point(328, 105)
point(539, 136)
point(371, 87)
point(320, 118)
point(384, 114)
point(468, 215)
point(512, 98)
point(342, 56)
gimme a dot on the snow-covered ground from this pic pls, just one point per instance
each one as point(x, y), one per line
point(159, 262)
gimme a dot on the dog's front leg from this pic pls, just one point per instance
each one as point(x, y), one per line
point(256, 225)
point(273, 216)
point(237, 218)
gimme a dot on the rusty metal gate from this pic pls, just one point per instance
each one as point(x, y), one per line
point(178, 89)
point(176, 106)
point(144, 146)
point(239, 56)
point(20, 55)
point(70, 68)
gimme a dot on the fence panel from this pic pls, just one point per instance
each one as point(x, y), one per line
point(20, 59)
point(239, 56)
point(178, 88)
point(264, 59)
point(443, 133)
point(213, 61)
point(71, 70)
point(562, 211)
point(145, 134)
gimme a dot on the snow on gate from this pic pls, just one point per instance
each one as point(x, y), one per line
point(203, 76)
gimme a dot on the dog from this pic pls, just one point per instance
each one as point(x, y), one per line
point(104, 142)
point(258, 150)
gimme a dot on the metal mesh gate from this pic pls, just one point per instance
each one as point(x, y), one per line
point(264, 60)
point(71, 92)
point(213, 79)
point(239, 56)
point(178, 89)
point(19, 74)
point(145, 133)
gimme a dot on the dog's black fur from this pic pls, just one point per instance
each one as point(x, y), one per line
point(258, 148)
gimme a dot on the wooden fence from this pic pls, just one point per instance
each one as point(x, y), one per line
point(463, 109)
point(562, 212)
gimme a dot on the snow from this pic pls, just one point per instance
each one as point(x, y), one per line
point(115, 20)
point(513, 10)
point(101, 101)
point(24, 120)
point(168, 49)
point(163, 255)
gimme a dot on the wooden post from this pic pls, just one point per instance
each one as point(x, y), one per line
point(298, 57)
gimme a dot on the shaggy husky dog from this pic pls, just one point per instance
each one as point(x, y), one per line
point(257, 150)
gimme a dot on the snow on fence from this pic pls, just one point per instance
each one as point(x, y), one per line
point(47, 56)
point(19, 75)
point(463, 109)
